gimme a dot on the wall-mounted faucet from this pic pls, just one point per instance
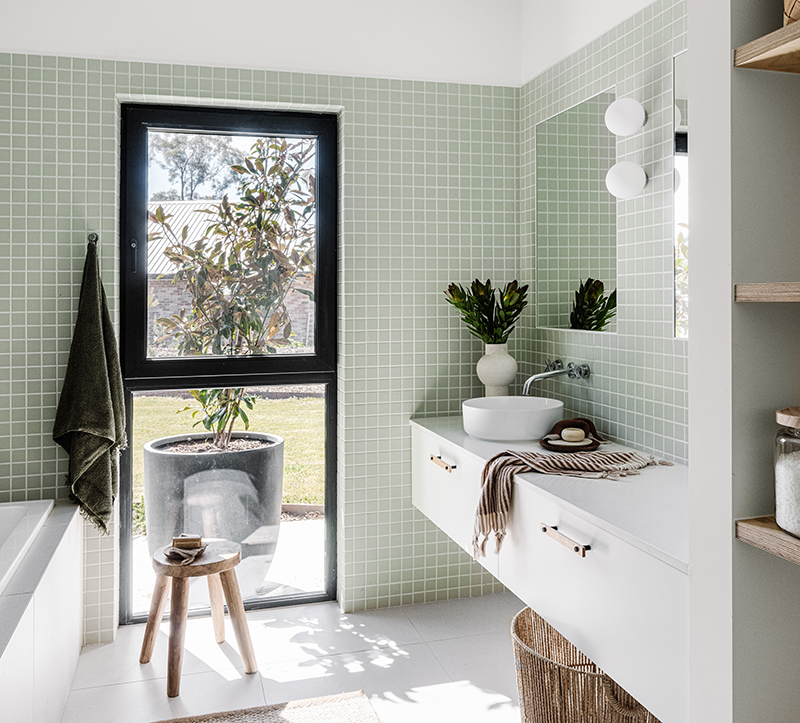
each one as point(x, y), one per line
point(556, 369)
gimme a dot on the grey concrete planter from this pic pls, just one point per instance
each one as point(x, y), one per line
point(235, 495)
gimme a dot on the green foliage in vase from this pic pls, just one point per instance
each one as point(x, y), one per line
point(592, 309)
point(490, 314)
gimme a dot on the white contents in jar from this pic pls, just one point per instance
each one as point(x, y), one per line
point(787, 492)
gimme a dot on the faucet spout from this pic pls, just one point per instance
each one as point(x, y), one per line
point(556, 369)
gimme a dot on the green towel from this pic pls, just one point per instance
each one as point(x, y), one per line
point(90, 420)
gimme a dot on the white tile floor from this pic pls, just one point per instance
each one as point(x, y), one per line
point(444, 661)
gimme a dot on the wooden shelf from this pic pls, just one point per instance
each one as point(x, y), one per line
point(777, 51)
point(764, 533)
point(783, 291)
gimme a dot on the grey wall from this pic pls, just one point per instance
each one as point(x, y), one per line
point(765, 339)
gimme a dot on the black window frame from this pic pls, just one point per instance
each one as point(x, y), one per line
point(141, 373)
point(136, 121)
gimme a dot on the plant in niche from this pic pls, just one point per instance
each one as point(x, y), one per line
point(240, 271)
point(490, 314)
point(592, 309)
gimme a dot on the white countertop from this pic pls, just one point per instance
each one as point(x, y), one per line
point(649, 510)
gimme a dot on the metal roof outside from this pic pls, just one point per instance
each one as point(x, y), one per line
point(183, 213)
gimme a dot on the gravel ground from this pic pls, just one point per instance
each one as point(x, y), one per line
point(295, 516)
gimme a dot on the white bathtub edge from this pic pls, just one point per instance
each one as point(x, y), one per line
point(13, 552)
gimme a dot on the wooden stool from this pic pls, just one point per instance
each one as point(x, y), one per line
point(216, 563)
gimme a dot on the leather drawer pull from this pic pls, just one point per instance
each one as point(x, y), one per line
point(552, 531)
point(437, 460)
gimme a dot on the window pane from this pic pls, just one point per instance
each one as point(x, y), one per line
point(270, 499)
point(231, 245)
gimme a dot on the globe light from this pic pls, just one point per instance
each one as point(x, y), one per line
point(624, 116)
point(626, 180)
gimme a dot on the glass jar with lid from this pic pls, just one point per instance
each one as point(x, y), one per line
point(787, 471)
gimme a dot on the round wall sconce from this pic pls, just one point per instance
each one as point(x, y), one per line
point(626, 180)
point(624, 116)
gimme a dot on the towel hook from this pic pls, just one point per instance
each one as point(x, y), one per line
point(93, 238)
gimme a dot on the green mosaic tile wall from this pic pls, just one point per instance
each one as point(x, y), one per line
point(638, 389)
point(429, 177)
point(434, 189)
point(576, 216)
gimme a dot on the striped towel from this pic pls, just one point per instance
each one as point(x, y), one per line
point(498, 476)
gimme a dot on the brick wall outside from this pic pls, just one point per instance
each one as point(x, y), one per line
point(168, 299)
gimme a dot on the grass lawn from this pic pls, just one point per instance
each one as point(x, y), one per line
point(299, 420)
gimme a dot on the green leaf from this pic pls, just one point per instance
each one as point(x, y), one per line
point(488, 313)
point(592, 310)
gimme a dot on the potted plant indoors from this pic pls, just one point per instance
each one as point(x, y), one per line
point(238, 273)
point(592, 309)
point(490, 314)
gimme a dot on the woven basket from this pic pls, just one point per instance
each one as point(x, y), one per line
point(791, 11)
point(559, 684)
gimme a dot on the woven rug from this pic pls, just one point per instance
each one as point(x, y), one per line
point(345, 708)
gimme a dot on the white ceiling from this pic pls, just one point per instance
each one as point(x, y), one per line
point(553, 29)
point(496, 42)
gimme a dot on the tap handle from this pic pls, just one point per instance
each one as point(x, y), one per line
point(551, 366)
point(576, 371)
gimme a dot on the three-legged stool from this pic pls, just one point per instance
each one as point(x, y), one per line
point(216, 563)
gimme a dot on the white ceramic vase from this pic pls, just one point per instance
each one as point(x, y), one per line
point(496, 370)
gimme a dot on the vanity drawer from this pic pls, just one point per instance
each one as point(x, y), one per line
point(625, 609)
point(446, 488)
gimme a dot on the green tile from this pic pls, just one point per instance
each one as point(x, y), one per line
point(435, 189)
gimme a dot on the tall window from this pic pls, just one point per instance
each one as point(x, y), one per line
point(228, 341)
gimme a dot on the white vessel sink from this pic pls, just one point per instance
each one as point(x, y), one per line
point(511, 419)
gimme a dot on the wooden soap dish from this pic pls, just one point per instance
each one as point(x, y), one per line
point(590, 442)
point(554, 446)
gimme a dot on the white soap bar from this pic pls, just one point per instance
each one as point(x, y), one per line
point(572, 434)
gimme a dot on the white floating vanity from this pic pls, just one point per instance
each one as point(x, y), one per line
point(625, 604)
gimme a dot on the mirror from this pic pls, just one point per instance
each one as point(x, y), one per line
point(576, 216)
point(680, 79)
